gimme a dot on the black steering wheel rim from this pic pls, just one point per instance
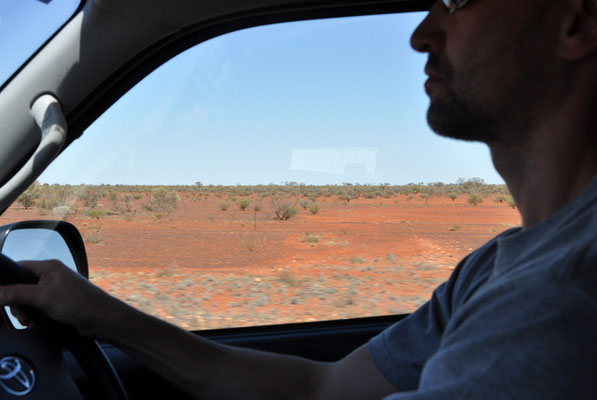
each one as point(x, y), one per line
point(38, 349)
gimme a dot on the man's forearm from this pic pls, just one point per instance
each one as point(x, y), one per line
point(210, 370)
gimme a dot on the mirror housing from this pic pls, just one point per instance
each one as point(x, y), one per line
point(73, 242)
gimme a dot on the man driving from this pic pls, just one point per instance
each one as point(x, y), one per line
point(518, 316)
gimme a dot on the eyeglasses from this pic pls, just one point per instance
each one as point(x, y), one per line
point(454, 5)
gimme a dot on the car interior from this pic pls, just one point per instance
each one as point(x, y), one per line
point(89, 61)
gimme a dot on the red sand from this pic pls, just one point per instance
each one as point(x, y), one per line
point(201, 267)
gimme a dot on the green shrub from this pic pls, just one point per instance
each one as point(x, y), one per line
point(28, 197)
point(243, 203)
point(304, 203)
point(113, 195)
point(475, 198)
point(90, 197)
point(47, 202)
point(162, 200)
point(314, 208)
point(452, 195)
point(345, 197)
point(284, 211)
point(94, 213)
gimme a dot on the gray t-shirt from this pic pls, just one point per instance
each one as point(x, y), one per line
point(517, 319)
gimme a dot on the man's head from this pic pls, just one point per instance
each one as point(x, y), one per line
point(497, 66)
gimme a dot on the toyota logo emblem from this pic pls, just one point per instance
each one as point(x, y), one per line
point(16, 376)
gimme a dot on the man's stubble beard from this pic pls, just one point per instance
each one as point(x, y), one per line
point(457, 120)
point(459, 112)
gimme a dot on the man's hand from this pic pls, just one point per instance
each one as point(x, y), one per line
point(64, 296)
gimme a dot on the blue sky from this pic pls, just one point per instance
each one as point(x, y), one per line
point(25, 25)
point(317, 102)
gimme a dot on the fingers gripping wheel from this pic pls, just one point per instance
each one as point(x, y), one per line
point(31, 364)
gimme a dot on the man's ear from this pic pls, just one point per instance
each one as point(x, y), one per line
point(579, 38)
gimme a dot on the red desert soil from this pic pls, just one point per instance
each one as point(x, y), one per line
point(204, 268)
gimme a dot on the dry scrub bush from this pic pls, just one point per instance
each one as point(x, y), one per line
point(284, 210)
point(243, 203)
point(314, 208)
point(28, 197)
point(90, 197)
point(475, 199)
point(161, 200)
point(94, 213)
point(500, 198)
point(304, 204)
point(223, 205)
point(347, 196)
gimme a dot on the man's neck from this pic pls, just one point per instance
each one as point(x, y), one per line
point(553, 166)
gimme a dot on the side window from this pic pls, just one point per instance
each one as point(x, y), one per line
point(277, 174)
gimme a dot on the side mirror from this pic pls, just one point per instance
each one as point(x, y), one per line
point(45, 240)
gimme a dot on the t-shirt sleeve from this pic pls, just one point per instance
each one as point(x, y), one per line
point(530, 341)
point(400, 351)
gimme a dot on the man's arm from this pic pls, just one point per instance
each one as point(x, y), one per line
point(198, 366)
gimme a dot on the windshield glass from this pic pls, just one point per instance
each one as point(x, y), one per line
point(278, 174)
point(25, 25)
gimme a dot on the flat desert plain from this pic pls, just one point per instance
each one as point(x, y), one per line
point(202, 267)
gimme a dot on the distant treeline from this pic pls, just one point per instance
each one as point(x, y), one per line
point(165, 197)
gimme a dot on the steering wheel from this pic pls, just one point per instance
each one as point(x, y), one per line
point(31, 364)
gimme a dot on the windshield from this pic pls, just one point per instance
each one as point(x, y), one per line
point(25, 25)
point(278, 174)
